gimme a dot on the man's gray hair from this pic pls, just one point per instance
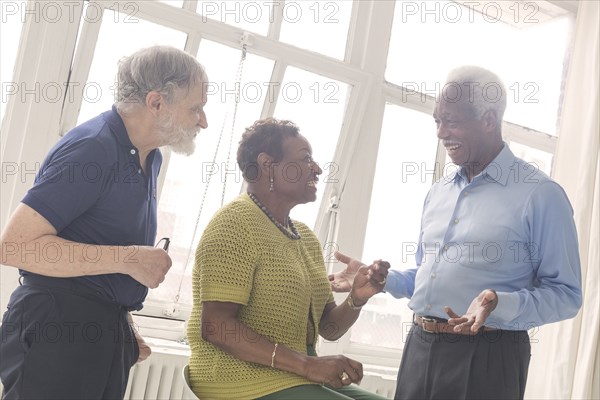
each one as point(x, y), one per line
point(480, 87)
point(163, 69)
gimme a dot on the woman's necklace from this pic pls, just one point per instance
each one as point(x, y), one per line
point(294, 235)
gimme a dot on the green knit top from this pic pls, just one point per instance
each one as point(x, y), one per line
point(245, 259)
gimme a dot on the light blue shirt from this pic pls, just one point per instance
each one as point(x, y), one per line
point(510, 229)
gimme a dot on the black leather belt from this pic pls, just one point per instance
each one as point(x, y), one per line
point(436, 325)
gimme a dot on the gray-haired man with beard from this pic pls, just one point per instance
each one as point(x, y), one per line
point(67, 331)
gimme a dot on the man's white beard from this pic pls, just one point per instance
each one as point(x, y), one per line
point(179, 139)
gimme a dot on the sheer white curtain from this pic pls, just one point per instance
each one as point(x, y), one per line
point(565, 360)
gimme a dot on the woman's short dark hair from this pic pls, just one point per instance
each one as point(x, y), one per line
point(265, 136)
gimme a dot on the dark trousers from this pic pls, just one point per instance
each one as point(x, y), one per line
point(62, 340)
point(489, 365)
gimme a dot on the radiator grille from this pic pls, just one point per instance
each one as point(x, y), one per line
point(159, 377)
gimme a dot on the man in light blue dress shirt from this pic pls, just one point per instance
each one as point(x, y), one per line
point(497, 256)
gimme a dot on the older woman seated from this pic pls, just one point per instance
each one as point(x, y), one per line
point(261, 292)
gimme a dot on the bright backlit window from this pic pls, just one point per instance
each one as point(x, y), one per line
point(526, 51)
point(308, 97)
point(306, 23)
point(404, 172)
point(295, 69)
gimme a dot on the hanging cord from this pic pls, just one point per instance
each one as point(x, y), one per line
point(238, 81)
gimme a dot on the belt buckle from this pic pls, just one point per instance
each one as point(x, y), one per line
point(425, 320)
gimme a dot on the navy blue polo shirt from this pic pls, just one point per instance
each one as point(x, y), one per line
point(92, 189)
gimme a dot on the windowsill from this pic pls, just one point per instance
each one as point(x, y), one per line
point(171, 335)
point(168, 346)
point(168, 330)
point(386, 373)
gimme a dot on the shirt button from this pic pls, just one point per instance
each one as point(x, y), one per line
point(445, 247)
point(139, 171)
point(456, 220)
point(433, 275)
point(466, 194)
point(428, 307)
point(132, 151)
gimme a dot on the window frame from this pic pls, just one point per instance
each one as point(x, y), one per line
point(284, 55)
point(343, 211)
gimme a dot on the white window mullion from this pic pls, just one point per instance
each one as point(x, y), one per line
point(32, 121)
point(408, 98)
point(273, 90)
point(529, 137)
point(277, 18)
point(81, 67)
point(367, 54)
point(191, 5)
point(41, 72)
point(357, 152)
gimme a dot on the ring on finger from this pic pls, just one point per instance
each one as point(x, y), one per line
point(344, 376)
point(382, 282)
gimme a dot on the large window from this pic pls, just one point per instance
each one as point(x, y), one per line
point(518, 41)
point(359, 79)
point(272, 78)
point(404, 171)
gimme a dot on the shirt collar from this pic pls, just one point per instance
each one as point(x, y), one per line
point(117, 127)
point(498, 170)
point(500, 167)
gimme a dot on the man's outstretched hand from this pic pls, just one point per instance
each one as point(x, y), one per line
point(374, 274)
point(481, 307)
point(343, 280)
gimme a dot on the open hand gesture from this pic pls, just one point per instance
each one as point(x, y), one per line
point(481, 307)
point(343, 280)
point(365, 282)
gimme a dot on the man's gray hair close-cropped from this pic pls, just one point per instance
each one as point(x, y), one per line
point(164, 69)
point(480, 87)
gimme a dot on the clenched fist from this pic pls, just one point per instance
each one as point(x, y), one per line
point(149, 266)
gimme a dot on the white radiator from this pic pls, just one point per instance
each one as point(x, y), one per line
point(382, 385)
point(160, 377)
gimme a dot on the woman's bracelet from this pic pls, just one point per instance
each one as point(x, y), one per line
point(273, 355)
point(350, 302)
